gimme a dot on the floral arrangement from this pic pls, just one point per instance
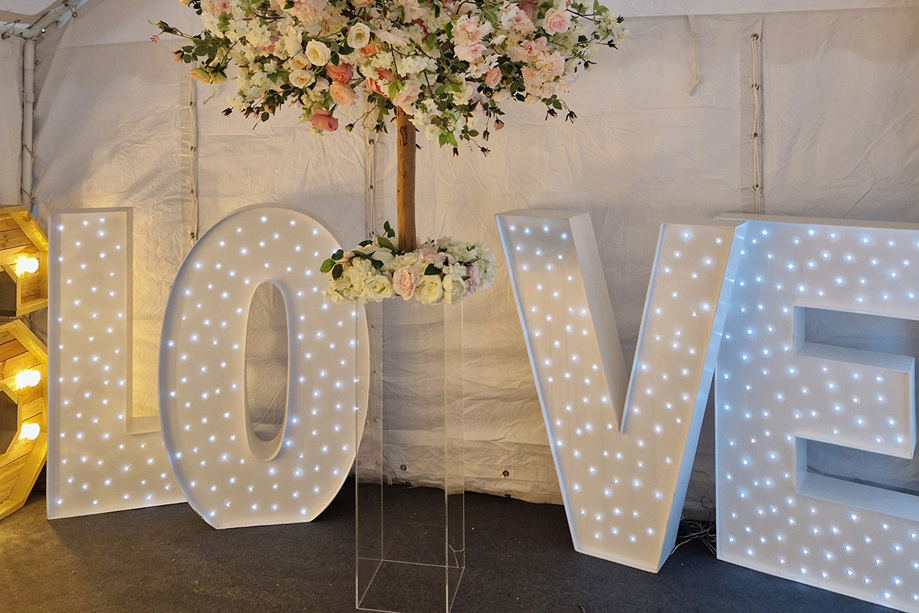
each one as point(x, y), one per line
point(448, 64)
point(442, 270)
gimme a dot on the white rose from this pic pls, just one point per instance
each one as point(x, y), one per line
point(378, 288)
point(302, 78)
point(317, 53)
point(430, 289)
point(358, 35)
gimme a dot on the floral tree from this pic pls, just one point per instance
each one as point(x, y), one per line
point(442, 67)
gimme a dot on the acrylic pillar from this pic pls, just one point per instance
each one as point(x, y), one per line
point(410, 539)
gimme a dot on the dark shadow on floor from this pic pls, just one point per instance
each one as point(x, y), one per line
point(519, 558)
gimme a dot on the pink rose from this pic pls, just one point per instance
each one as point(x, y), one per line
point(405, 282)
point(514, 18)
point(215, 7)
point(551, 66)
point(433, 256)
point(556, 21)
point(342, 94)
point(469, 51)
point(321, 119)
point(528, 7)
point(492, 77)
point(473, 278)
point(407, 96)
point(339, 74)
point(534, 48)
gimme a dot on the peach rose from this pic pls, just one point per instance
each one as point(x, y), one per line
point(321, 119)
point(492, 77)
point(339, 74)
point(374, 83)
point(405, 281)
point(342, 94)
point(368, 50)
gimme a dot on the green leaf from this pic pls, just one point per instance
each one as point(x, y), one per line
point(389, 231)
point(365, 243)
point(359, 254)
point(337, 271)
point(376, 264)
point(338, 255)
point(432, 269)
point(326, 266)
point(394, 88)
point(385, 242)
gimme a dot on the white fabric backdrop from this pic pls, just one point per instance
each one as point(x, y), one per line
point(840, 139)
point(11, 125)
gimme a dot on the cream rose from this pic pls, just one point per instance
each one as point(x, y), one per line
point(405, 282)
point(358, 35)
point(430, 289)
point(317, 53)
point(302, 78)
point(299, 61)
point(378, 288)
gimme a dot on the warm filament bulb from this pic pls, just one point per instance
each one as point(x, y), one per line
point(25, 265)
point(30, 431)
point(27, 378)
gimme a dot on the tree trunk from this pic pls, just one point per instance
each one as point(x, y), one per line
point(405, 183)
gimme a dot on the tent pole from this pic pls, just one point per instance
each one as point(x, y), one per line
point(28, 106)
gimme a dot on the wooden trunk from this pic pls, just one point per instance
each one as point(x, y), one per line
point(405, 183)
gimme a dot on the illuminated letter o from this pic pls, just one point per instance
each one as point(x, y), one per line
point(202, 373)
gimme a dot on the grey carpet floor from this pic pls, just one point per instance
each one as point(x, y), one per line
point(519, 558)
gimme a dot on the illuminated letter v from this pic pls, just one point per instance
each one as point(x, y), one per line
point(623, 473)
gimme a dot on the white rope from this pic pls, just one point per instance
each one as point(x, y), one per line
point(760, 205)
point(189, 120)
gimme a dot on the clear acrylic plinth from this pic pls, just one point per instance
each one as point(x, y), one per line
point(410, 541)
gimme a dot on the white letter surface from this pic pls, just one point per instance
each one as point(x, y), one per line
point(227, 477)
point(777, 392)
